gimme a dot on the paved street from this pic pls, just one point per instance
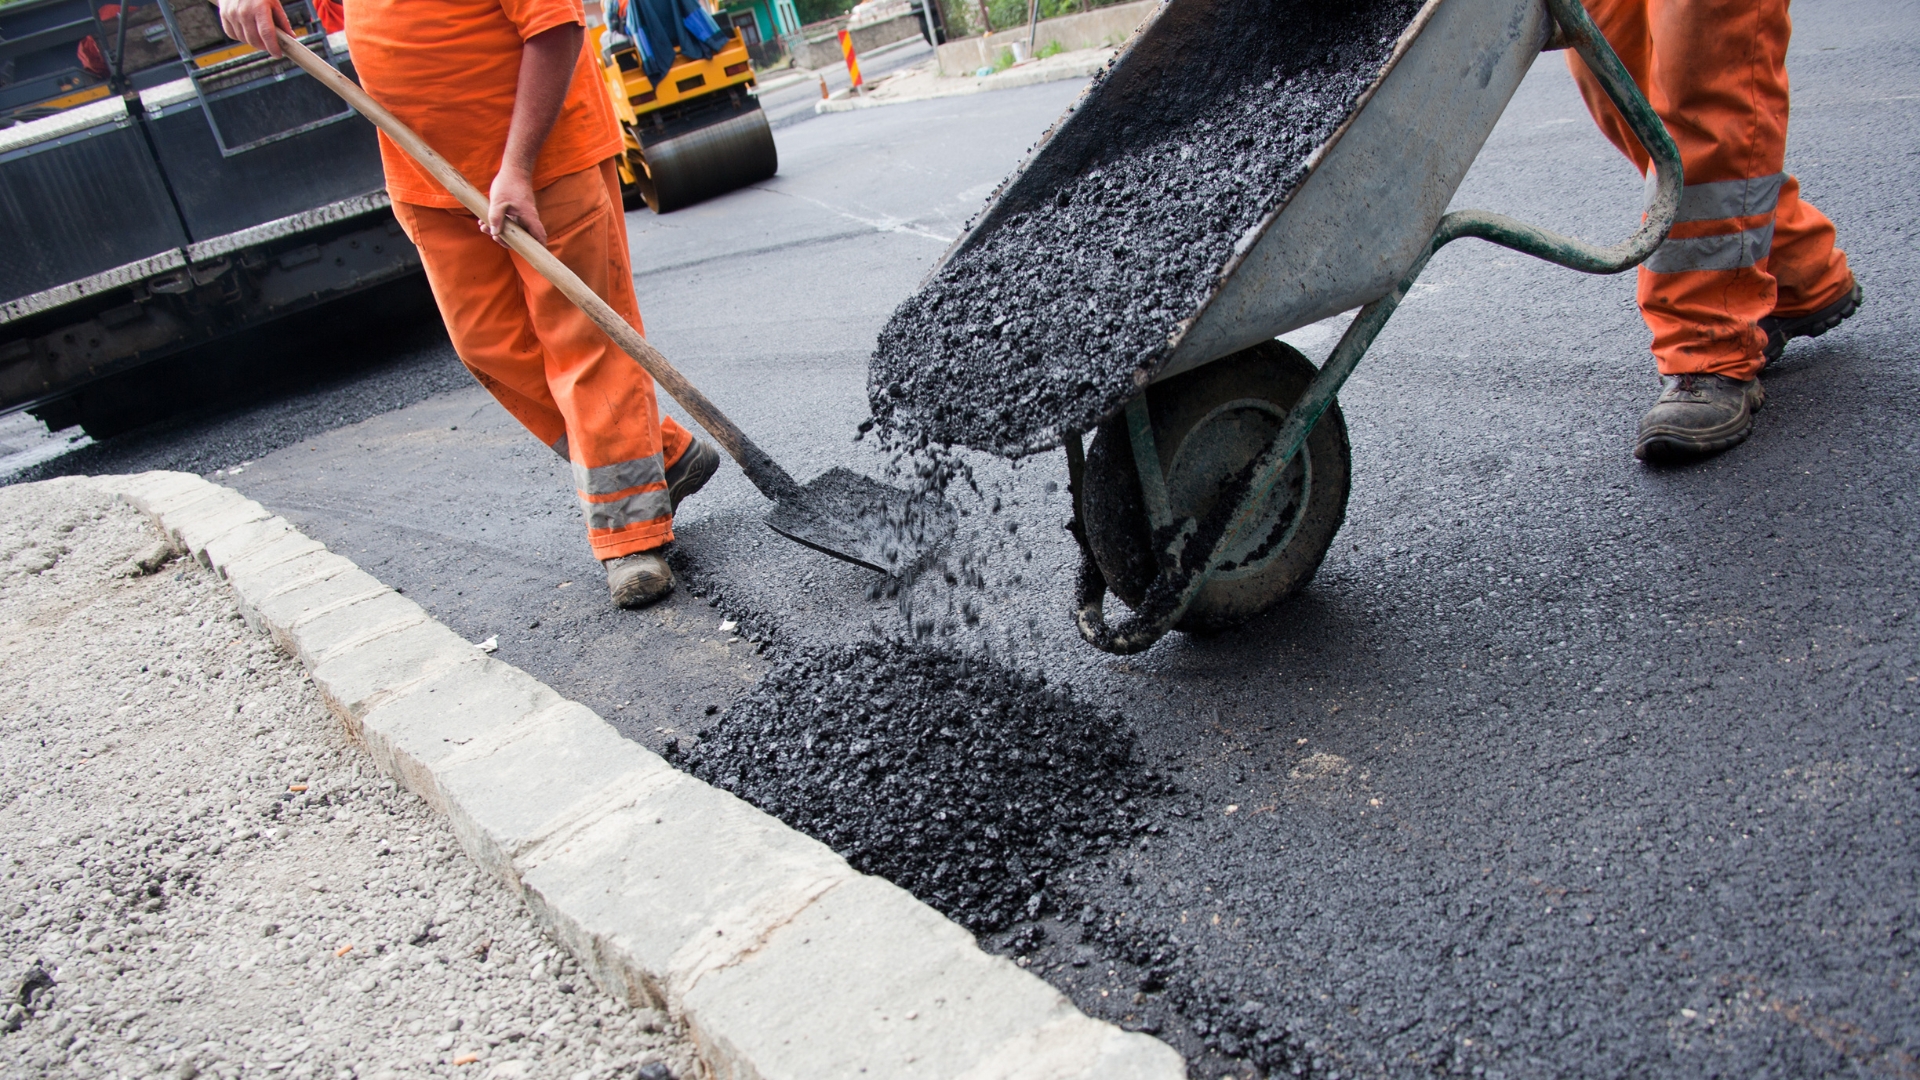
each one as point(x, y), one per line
point(1564, 765)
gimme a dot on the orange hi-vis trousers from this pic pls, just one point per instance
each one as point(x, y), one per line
point(548, 364)
point(1745, 245)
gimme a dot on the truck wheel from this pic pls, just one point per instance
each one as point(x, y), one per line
point(1208, 424)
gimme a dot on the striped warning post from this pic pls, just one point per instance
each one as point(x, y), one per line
point(853, 62)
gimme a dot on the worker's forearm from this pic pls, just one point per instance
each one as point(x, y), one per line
point(547, 61)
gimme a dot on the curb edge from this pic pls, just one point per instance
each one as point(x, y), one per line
point(714, 916)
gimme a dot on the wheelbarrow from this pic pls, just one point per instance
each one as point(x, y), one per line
point(1215, 492)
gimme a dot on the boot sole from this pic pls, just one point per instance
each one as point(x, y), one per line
point(1812, 325)
point(699, 471)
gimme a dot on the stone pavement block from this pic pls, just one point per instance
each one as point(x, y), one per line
point(264, 562)
point(362, 677)
point(203, 523)
point(312, 587)
point(411, 733)
point(143, 490)
point(320, 631)
point(511, 788)
point(169, 513)
point(830, 993)
point(474, 703)
point(273, 553)
point(680, 877)
point(277, 577)
point(154, 492)
point(196, 499)
point(221, 551)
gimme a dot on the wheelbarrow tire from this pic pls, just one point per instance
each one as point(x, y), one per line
point(1207, 424)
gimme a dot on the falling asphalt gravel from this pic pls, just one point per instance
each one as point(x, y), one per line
point(1071, 287)
point(1563, 766)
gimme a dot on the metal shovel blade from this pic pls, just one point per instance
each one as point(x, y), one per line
point(867, 523)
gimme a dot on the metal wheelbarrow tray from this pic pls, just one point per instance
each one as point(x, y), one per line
point(1218, 471)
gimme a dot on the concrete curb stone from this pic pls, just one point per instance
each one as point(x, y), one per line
point(782, 960)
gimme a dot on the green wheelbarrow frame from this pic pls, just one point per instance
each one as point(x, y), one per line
point(1188, 560)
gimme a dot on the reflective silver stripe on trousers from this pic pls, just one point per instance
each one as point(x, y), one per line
point(1726, 198)
point(560, 447)
point(620, 476)
point(645, 506)
point(1731, 252)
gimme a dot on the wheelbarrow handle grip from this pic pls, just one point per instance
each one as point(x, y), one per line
point(1573, 28)
point(759, 467)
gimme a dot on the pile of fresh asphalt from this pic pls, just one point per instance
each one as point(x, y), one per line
point(1122, 224)
point(963, 781)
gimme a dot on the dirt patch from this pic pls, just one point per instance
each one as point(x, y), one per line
point(205, 877)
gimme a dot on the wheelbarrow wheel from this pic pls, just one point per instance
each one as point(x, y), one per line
point(1208, 423)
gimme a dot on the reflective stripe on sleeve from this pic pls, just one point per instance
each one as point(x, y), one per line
point(620, 476)
point(1733, 251)
point(632, 510)
point(1726, 198)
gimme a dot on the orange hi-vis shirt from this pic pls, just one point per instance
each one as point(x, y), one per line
point(449, 70)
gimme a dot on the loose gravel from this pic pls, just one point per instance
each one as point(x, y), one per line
point(1121, 227)
point(962, 781)
point(202, 876)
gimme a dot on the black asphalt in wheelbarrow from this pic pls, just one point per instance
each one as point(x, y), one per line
point(1242, 170)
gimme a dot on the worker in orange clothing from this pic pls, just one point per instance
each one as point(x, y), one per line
point(1749, 264)
point(332, 15)
point(505, 90)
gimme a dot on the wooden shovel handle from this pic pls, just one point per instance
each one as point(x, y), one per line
point(765, 473)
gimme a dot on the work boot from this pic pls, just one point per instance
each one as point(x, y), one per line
point(1782, 329)
point(639, 579)
point(692, 471)
point(1698, 414)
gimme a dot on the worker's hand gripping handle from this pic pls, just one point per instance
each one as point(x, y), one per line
point(765, 473)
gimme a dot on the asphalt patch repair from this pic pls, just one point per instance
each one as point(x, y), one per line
point(968, 784)
point(1040, 320)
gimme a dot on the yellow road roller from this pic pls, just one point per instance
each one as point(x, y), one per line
point(696, 130)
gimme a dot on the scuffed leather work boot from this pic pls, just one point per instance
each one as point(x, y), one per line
point(1782, 329)
point(1697, 414)
point(691, 472)
point(639, 579)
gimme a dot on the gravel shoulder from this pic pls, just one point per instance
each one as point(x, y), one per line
point(202, 875)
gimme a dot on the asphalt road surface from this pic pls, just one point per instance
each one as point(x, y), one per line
point(1564, 765)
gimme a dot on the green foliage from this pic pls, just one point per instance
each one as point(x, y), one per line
point(1051, 48)
point(1008, 13)
point(813, 11)
point(1003, 61)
